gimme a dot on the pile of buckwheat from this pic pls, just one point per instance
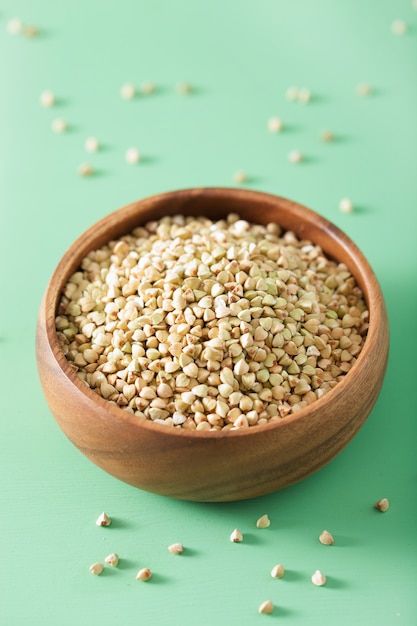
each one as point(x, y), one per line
point(211, 325)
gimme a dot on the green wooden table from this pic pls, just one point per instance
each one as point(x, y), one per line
point(239, 57)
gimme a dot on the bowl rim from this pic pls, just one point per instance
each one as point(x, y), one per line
point(369, 286)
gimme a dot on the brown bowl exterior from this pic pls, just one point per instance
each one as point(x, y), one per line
point(215, 465)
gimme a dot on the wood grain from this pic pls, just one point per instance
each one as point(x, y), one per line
point(222, 465)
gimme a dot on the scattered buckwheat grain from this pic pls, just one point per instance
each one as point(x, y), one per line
point(85, 169)
point(326, 135)
point(47, 99)
point(345, 205)
point(132, 156)
point(240, 177)
point(144, 574)
point(127, 91)
point(59, 126)
point(147, 87)
point(30, 30)
point(274, 125)
point(112, 559)
point(263, 522)
point(183, 88)
point(382, 505)
point(318, 578)
point(266, 607)
point(363, 89)
point(96, 568)
point(176, 548)
point(304, 95)
point(292, 94)
point(326, 538)
point(103, 520)
point(398, 27)
point(236, 536)
point(295, 156)
point(278, 571)
point(14, 26)
point(91, 144)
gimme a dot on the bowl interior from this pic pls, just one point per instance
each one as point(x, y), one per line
point(214, 203)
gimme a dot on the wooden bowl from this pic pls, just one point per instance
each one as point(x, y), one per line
point(213, 465)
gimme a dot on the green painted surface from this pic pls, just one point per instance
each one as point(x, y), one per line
point(240, 57)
